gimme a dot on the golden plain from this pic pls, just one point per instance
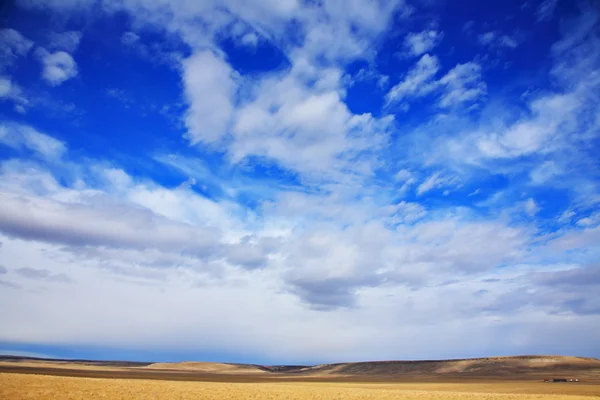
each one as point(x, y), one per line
point(31, 386)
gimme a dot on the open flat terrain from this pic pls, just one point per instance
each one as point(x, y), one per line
point(31, 386)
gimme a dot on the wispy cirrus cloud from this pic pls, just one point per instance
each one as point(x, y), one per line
point(462, 84)
point(23, 137)
point(422, 42)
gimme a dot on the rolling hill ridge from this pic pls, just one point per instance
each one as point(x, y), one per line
point(517, 367)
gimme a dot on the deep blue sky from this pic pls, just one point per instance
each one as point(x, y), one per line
point(299, 182)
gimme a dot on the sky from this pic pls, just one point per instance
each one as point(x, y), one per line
point(299, 181)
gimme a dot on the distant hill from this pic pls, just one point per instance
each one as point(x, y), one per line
point(518, 367)
point(476, 367)
point(514, 367)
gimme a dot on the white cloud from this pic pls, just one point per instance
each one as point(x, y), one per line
point(405, 212)
point(13, 43)
point(250, 39)
point(59, 5)
point(65, 41)
point(58, 66)
point(331, 32)
point(12, 46)
point(342, 31)
point(294, 109)
point(422, 42)
point(140, 241)
point(436, 181)
point(369, 255)
point(544, 172)
point(461, 84)
point(495, 39)
point(157, 51)
point(508, 41)
point(42, 274)
point(5, 87)
point(531, 207)
point(468, 27)
point(130, 38)
point(556, 119)
point(591, 220)
point(487, 38)
point(553, 122)
point(37, 219)
point(403, 175)
point(208, 117)
point(22, 136)
point(545, 11)
point(300, 120)
point(550, 115)
point(407, 179)
point(417, 81)
point(369, 75)
point(11, 91)
point(399, 313)
point(566, 216)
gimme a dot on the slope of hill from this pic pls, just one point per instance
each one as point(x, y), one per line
point(513, 367)
point(209, 367)
point(507, 368)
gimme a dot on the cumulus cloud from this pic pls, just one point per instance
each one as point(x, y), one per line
point(250, 39)
point(549, 113)
point(58, 66)
point(363, 256)
point(300, 120)
point(208, 116)
point(332, 32)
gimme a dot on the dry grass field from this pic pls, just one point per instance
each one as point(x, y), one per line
point(31, 386)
